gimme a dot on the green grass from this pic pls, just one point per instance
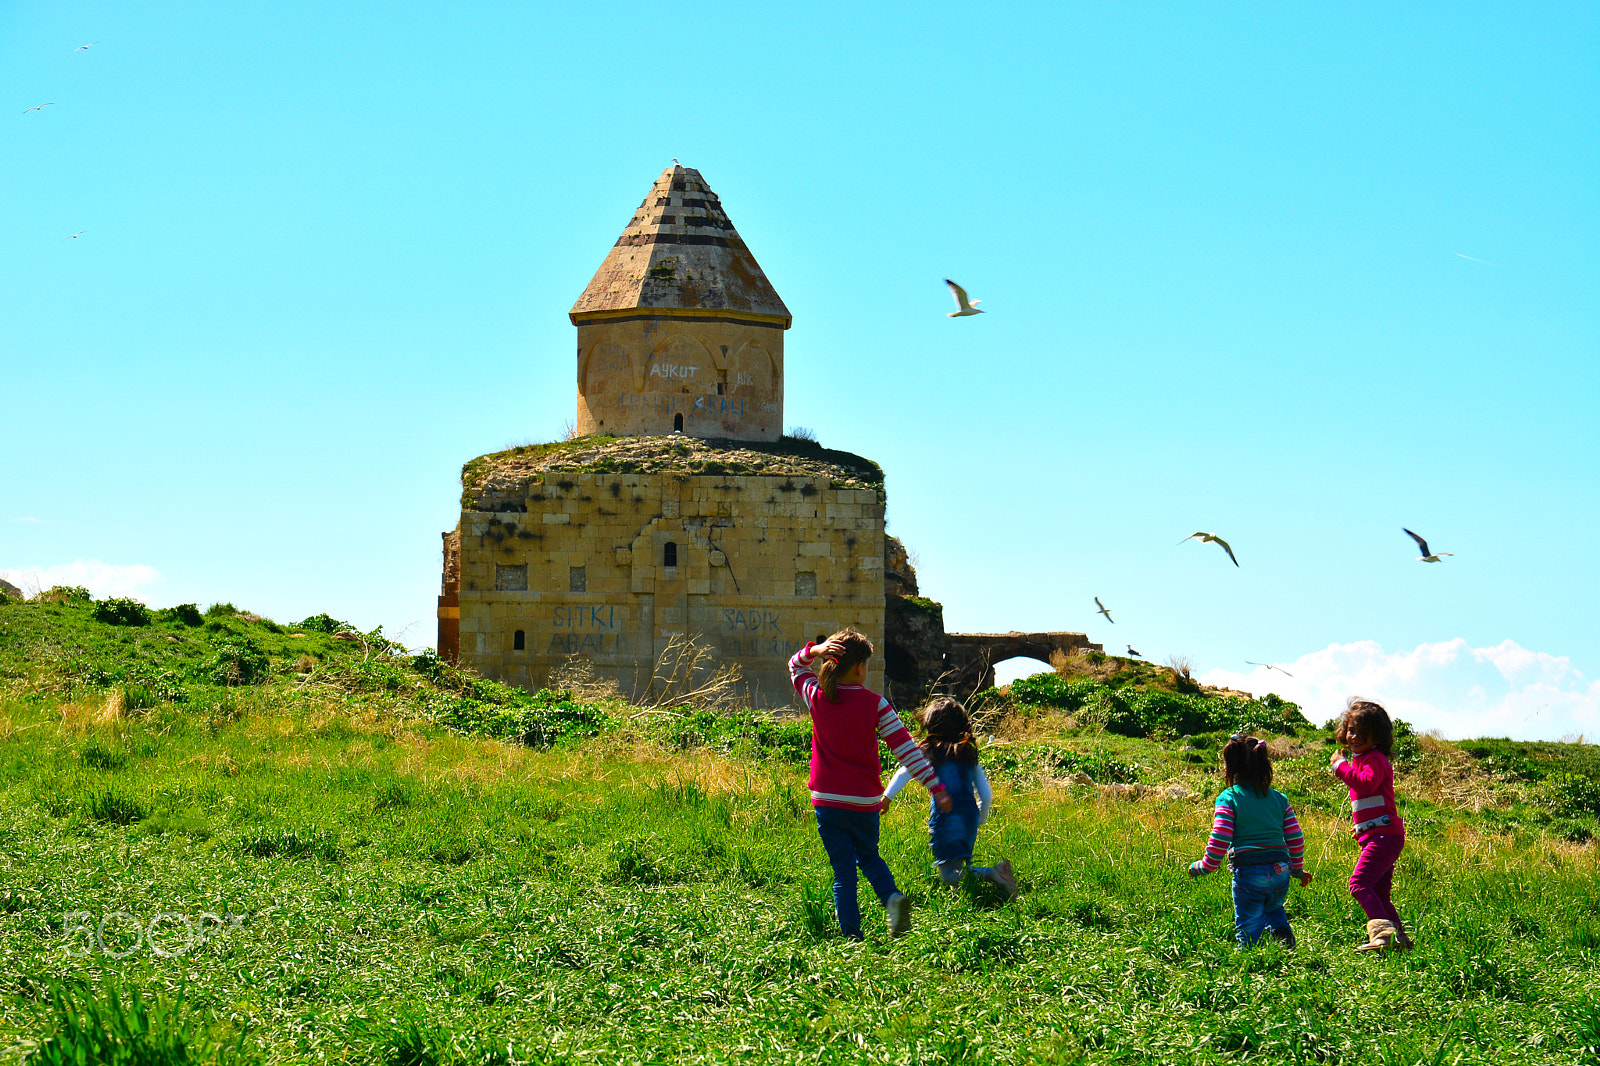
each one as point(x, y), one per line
point(338, 869)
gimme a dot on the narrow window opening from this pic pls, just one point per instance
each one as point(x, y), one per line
point(519, 641)
point(677, 423)
point(669, 554)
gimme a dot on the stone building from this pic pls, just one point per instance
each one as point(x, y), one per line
point(681, 511)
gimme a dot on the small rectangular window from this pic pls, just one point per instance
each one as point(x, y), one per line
point(805, 584)
point(577, 579)
point(511, 578)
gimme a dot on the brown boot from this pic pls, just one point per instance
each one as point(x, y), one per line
point(1380, 935)
point(1402, 942)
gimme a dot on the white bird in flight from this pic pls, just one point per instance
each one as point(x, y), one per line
point(81, 47)
point(964, 306)
point(71, 236)
point(41, 107)
point(1269, 666)
point(1212, 538)
point(1102, 610)
point(1426, 556)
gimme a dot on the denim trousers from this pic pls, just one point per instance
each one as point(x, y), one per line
point(1258, 895)
point(851, 840)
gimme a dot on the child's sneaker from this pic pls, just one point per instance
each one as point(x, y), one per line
point(1284, 937)
point(1004, 877)
point(898, 907)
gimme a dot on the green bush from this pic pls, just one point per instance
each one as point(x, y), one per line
point(1570, 795)
point(122, 612)
point(323, 623)
point(65, 594)
point(184, 613)
point(240, 663)
point(222, 610)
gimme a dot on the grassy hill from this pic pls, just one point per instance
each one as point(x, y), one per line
point(227, 839)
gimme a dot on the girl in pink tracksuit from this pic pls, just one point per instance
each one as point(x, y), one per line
point(1367, 737)
point(847, 718)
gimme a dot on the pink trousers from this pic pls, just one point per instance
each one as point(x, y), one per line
point(1373, 877)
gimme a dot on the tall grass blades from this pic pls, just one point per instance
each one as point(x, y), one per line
point(118, 1029)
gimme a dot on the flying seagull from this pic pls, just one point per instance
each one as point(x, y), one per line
point(963, 304)
point(1426, 556)
point(1133, 653)
point(41, 107)
point(72, 236)
point(81, 47)
point(1212, 538)
point(1269, 666)
point(1103, 611)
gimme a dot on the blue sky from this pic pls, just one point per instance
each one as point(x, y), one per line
point(1299, 274)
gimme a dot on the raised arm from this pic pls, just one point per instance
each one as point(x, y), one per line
point(980, 785)
point(905, 750)
point(801, 675)
point(1217, 845)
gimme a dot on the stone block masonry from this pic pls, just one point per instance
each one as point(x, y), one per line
point(612, 566)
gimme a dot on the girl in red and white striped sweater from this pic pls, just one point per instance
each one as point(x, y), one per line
point(1367, 737)
point(847, 718)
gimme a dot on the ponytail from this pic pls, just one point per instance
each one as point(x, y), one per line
point(857, 649)
point(1245, 759)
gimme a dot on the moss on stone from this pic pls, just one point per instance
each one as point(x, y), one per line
point(788, 458)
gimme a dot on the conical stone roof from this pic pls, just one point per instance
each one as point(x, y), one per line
point(680, 253)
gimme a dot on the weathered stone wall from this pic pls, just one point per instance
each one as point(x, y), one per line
point(611, 567)
point(652, 374)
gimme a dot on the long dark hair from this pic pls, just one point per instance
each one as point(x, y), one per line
point(1245, 759)
point(857, 649)
point(948, 732)
point(1367, 720)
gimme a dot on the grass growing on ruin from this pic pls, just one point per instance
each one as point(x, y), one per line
point(330, 872)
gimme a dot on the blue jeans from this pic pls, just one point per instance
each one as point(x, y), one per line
point(1258, 895)
point(851, 839)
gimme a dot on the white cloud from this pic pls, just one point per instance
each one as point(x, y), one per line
point(1459, 690)
point(101, 579)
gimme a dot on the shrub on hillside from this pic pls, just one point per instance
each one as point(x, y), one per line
point(1570, 795)
point(65, 594)
point(184, 614)
point(122, 612)
point(222, 610)
point(323, 623)
point(538, 720)
point(237, 663)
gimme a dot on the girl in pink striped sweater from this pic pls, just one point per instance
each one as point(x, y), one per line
point(1367, 737)
point(847, 718)
point(1256, 829)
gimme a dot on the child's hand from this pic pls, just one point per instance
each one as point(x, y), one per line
point(941, 799)
point(1335, 759)
point(1305, 878)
